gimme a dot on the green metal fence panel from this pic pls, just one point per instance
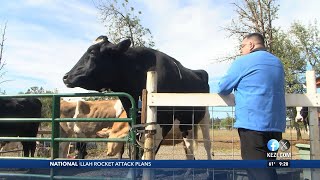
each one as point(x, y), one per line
point(15, 175)
point(26, 120)
point(55, 135)
point(24, 139)
point(55, 127)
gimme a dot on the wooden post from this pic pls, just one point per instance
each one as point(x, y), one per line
point(314, 125)
point(150, 129)
point(144, 107)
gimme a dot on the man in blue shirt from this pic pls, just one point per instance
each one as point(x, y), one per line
point(257, 78)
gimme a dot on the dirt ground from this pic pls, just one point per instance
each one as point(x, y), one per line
point(225, 146)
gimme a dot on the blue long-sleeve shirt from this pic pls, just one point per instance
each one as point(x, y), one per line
point(258, 83)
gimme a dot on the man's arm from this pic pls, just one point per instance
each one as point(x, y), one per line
point(231, 79)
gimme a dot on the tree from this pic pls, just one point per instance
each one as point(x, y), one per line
point(258, 16)
point(255, 16)
point(294, 65)
point(228, 122)
point(215, 123)
point(94, 98)
point(123, 21)
point(2, 62)
point(308, 41)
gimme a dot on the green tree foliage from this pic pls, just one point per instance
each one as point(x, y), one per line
point(307, 40)
point(215, 123)
point(94, 98)
point(228, 122)
point(122, 21)
point(292, 47)
point(294, 65)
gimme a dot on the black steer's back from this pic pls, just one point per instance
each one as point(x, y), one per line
point(21, 108)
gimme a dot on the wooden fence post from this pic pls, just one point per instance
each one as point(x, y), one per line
point(150, 129)
point(313, 124)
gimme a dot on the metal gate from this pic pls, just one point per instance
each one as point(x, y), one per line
point(55, 135)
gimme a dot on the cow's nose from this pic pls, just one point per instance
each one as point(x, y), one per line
point(298, 119)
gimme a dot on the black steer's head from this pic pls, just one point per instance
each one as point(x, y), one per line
point(99, 66)
point(9, 107)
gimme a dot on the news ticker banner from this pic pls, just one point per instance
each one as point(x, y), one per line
point(14, 163)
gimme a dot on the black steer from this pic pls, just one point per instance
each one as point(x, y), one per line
point(122, 69)
point(20, 108)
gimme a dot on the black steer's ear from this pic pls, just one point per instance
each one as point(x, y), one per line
point(121, 47)
point(124, 45)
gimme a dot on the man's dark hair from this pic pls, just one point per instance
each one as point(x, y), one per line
point(257, 36)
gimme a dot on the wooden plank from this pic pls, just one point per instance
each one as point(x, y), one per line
point(210, 99)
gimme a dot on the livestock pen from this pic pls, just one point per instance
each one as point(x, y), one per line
point(310, 99)
point(225, 142)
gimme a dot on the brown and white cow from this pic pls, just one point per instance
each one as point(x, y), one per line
point(67, 110)
point(87, 109)
point(172, 138)
point(118, 130)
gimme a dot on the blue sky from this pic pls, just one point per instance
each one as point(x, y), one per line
point(44, 39)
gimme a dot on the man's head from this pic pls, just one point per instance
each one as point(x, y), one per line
point(251, 42)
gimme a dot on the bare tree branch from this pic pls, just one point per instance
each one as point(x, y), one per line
point(122, 22)
point(2, 43)
point(2, 61)
point(223, 59)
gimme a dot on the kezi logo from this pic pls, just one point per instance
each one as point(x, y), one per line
point(273, 145)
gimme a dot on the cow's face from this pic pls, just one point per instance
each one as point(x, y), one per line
point(10, 107)
point(67, 109)
point(99, 66)
point(302, 114)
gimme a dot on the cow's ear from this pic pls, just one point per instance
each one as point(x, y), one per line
point(124, 45)
point(82, 108)
point(121, 47)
